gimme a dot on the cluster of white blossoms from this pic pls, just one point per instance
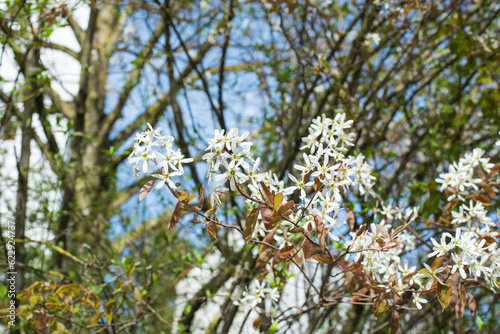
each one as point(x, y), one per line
point(326, 177)
point(147, 150)
point(385, 263)
point(326, 143)
point(460, 177)
point(473, 251)
point(253, 297)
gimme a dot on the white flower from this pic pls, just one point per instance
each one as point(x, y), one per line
point(440, 249)
point(431, 275)
point(166, 178)
point(418, 300)
point(298, 185)
point(373, 38)
point(232, 173)
point(459, 264)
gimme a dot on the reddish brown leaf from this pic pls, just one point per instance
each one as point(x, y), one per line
point(394, 322)
point(317, 183)
point(352, 266)
point(264, 257)
point(460, 307)
point(364, 279)
point(267, 193)
point(263, 274)
point(286, 250)
point(269, 239)
point(146, 188)
point(494, 169)
point(451, 205)
point(310, 249)
point(307, 247)
point(189, 207)
point(250, 224)
point(323, 258)
point(281, 212)
point(202, 196)
point(382, 230)
point(350, 281)
point(320, 228)
point(437, 263)
point(211, 230)
point(407, 278)
point(472, 304)
point(296, 230)
point(446, 220)
point(176, 215)
point(351, 219)
point(485, 200)
point(361, 230)
point(281, 256)
point(266, 216)
point(453, 281)
point(307, 176)
point(489, 240)
point(182, 195)
point(210, 212)
point(360, 292)
point(486, 187)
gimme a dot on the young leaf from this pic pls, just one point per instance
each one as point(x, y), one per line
point(323, 258)
point(267, 193)
point(257, 322)
point(494, 169)
point(250, 224)
point(444, 293)
point(202, 197)
point(176, 215)
point(266, 215)
point(320, 228)
point(351, 219)
point(350, 281)
point(146, 188)
point(460, 307)
point(394, 322)
point(211, 230)
point(182, 195)
point(485, 200)
point(268, 239)
point(472, 304)
point(95, 319)
point(278, 199)
point(380, 307)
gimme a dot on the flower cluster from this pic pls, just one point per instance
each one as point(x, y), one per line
point(252, 298)
point(473, 251)
point(468, 252)
point(320, 188)
point(148, 148)
point(384, 264)
point(333, 173)
point(460, 176)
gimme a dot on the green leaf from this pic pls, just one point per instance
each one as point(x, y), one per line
point(444, 293)
point(274, 327)
point(380, 308)
point(95, 319)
